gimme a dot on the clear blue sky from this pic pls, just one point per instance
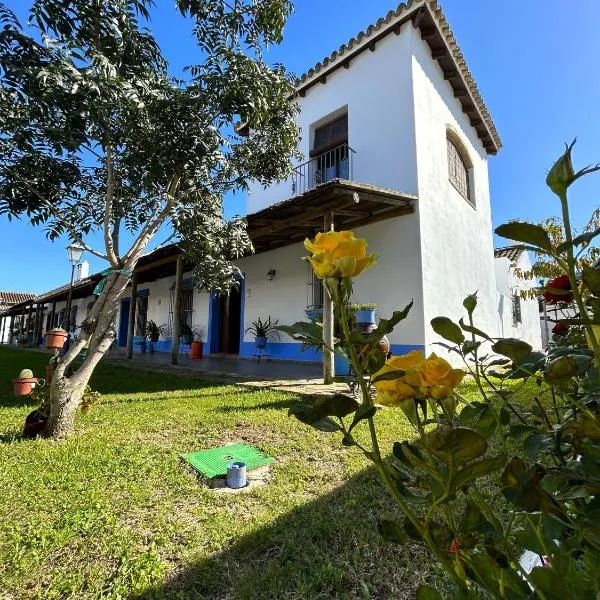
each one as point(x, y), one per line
point(536, 65)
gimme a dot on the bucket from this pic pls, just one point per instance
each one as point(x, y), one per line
point(236, 475)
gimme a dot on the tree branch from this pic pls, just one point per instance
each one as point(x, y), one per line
point(108, 207)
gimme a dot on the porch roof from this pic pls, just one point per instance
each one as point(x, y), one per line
point(353, 205)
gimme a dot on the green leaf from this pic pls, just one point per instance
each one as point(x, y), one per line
point(454, 446)
point(468, 347)
point(560, 370)
point(386, 326)
point(469, 473)
point(363, 412)
point(584, 238)
point(470, 303)
point(513, 348)
point(447, 329)
point(317, 414)
point(479, 416)
point(526, 232)
point(473, 330)
point(389, 375)
point(591, 279)
point(424, 592)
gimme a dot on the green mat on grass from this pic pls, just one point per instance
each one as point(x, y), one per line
point(213, 462)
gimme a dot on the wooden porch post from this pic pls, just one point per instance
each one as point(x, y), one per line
point(52, 314)
point(38, 324)
point(328, 366)
point(12, 328)
point(131, 322)
point(176, 311)
point(2, 330)
point(29, 316)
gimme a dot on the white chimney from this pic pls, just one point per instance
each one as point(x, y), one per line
point(83, 270)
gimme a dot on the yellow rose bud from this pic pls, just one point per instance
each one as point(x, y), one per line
point(339, 254)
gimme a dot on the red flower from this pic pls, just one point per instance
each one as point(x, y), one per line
point(560, 329)
point(560, 283)
point(455, 546)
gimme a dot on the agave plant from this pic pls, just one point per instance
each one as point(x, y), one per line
point(264, 329)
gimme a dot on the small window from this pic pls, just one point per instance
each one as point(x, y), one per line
point(330, 135)
point(315, 290)
point(141, 315)
point(516, 309)
point(459, 169)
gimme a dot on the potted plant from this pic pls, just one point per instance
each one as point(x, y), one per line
point(186, 334)
point(153, 333)
point(314, 314)
point(364, 313)
point(56, 338)
point(24, 383)
point(262, 331)
point(197, 345)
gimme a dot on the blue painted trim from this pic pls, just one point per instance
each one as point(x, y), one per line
point(214, 314)
point(283, 350)
point(399, 349)
point(143, 293)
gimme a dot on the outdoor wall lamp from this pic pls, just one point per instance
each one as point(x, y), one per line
point(271, 274)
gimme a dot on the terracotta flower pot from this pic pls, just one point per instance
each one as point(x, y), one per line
point(56, 338)
point(23, 387)
point(197, 348)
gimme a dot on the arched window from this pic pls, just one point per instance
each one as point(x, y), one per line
point(459, 167)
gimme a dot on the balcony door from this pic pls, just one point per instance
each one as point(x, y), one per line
point(330, 153)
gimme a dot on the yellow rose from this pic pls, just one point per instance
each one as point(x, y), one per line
point(391, 392)
point(438, 378)
point(339, 254)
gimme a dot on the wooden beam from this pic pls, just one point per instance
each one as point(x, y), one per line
point(347, 64)
point(428, 33)
point(158, 263)
point(381, 215)
point(131, 321)
point(323, 79)
point(438, 53)
point(175, 334)
point(460, 92)
point(30, 314)
point(12, 329)
point(328, 366)
point(372, 46)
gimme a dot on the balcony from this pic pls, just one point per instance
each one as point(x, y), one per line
point(337, 163)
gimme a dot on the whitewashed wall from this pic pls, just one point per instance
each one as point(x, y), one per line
point(376, 90)
point(529, 328)
point(456, 239)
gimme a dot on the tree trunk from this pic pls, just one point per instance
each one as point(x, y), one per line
point(97, 333)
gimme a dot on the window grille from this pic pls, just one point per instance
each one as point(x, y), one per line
point(315, 290)
point(516, 309)
point(141, 315)
point(330, 135)
point(458, 171)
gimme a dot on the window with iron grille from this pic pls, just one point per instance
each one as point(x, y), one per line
point(141, 315)
point(330, 135)
point(458, 170)
point(516, 309)
point(315, 290)
point(187, 306)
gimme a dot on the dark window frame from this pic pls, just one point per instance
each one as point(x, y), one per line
point(460, 167)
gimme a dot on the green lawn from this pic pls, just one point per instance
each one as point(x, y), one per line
point(113, 512)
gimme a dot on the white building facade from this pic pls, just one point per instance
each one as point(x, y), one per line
point(395, 140)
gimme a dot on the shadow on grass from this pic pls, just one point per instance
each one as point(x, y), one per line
point(277, 405)
point(327, 548)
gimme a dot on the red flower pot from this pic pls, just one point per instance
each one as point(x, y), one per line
point(56, 338)
point(197, 348)
point(24, 386)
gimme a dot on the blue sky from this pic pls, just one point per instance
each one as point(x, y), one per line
point(535, 64)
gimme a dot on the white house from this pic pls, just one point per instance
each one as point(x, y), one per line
point(395, 140)
point(518, 315)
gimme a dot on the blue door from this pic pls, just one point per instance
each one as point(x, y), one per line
point(124, 322)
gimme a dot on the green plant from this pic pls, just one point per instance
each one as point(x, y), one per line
point(263, 329)
point(364, 306)
point(484, 480)
point(154, 331)
point(26, 374)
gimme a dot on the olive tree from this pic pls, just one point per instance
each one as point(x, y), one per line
point(97, 136)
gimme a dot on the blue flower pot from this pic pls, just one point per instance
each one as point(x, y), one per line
point(260, 343)
point(314, 314)
point(341, 366)
point(365, 316)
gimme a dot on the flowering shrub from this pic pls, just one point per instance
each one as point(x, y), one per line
point(482, 481)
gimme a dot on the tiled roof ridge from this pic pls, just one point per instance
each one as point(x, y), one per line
point(439, 17)
point(14, 297)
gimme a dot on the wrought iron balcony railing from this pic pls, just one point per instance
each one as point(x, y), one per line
point(337, 163)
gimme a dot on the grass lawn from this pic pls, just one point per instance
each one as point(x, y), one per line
point(113, 512)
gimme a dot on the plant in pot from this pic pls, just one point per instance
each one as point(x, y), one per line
point(24, 383)
point(314, 313)
point(263, 331)
point(186, 334)
point(153, 333)
point(56, 338)
point(365, 312)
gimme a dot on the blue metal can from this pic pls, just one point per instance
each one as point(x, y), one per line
point(236, 475)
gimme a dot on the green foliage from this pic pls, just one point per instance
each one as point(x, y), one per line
point(154, 331)
point(266, 329)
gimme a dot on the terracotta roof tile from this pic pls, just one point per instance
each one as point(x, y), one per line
point(9, 298)
point(511, 252)
point(403, 12)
